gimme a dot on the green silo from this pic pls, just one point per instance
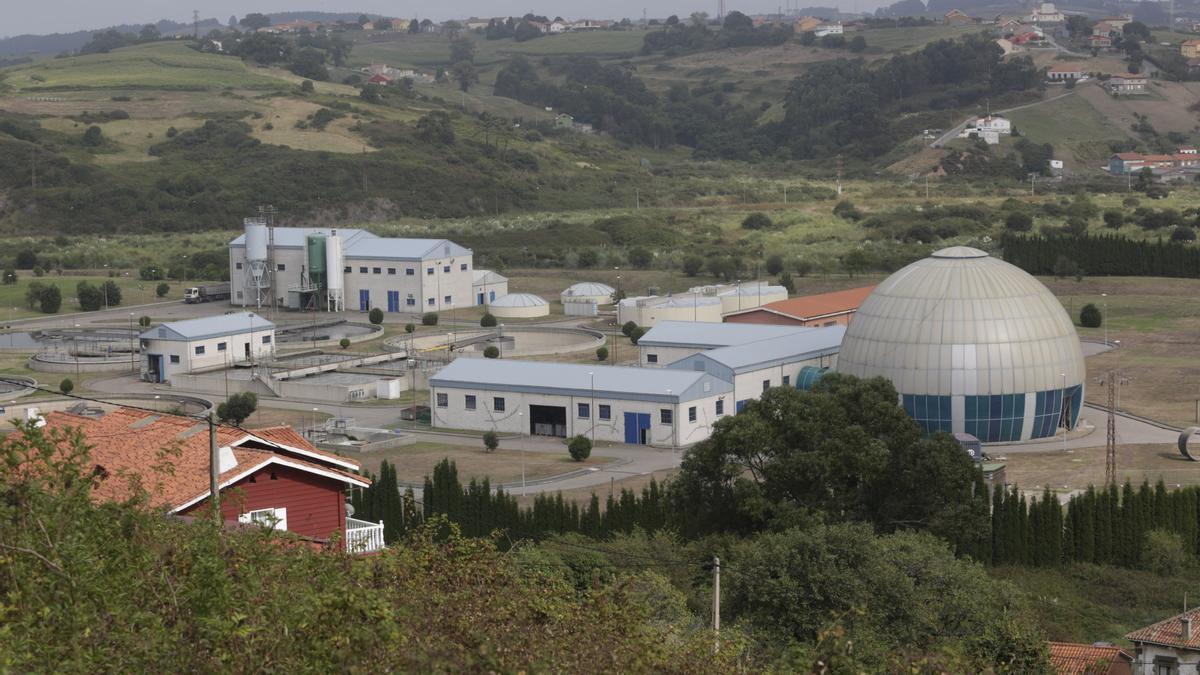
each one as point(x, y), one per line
point(315, 245)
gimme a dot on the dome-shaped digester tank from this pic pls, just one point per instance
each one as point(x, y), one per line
point(973, 345)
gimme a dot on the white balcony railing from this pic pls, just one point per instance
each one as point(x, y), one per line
point(363, 536)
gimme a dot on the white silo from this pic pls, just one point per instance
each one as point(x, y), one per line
point(335, 281)
point(258, 274)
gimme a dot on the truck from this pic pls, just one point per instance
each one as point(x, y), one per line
point(208, 293)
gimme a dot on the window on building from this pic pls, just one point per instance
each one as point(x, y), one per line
point(443, 400)
point(430, 302)
point(666, 416)
point(239, 295)
point(720, 406)
point(692, 414)
point(766, 385)
point(463, 267)
point(498, 404)
point(445, 269)
point(470, 403)
point(787, 379)
point(237, 265)
point(200, 350)
point(347, 269)
point(392, 271)
point(362, 270)
point(448, 300)
point(652, 358)
point(272, 518)
point(281, 267)
point(174, 358)
point(585, 411)
point(829, 323)
point(428, 271)
point(376, 270)
point(410, 301)
point(409, 271)
point(221, 346)
point(605, 412)
point(266, 339)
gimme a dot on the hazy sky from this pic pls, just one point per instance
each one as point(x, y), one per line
point(58, 16)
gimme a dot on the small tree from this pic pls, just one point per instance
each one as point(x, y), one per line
point(237, 408)
point(640, 257)
point(1019, 222)
point(50, 300)
point(1164, 553)
point(490, 441)
point(580, 447)
point(693, 265)
point(491, 352)
point(1090, 316)
point(637, 334)
point(628, 328)
point(93, 136)
point(111, 293)
point(409, 328)
point(757, 221)
point(66, 386)
point(1114, 219)
point(307, 87)
point(162, 289)
point(429, 319)
point(785, 280)
point(144, 321)
point(774, 264)
point(344, 343)
point(487, 320)
point(602, 353)
point(375, 316)
point(10, 277)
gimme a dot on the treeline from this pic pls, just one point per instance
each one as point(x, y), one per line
point(1144, 527)
point(479, 510)
point(307, 55)
point(851, 107)
point(1106, 254)
point(737, 30)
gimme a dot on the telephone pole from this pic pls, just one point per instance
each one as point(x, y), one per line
point(716, 608)
point(214, 468)
point(195, 23)
point(1110, 445)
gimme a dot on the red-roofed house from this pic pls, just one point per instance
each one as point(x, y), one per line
point(1171, 646)
point(379, 79)
point(1099, 41)
point(273, 477)
point(826, 309)
point(1069, 658)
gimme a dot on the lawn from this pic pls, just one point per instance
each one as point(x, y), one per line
point(434, 50)
point(896, 39)
point(159, 65)
point(134, 291)
point(1071, 124)
point(414, 462)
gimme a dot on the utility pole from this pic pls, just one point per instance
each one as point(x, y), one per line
point(214, 467)
point(785, 195)
point(716, 608)
point(195, 23)
point(926, 186)
point(839, 175)
point(1110, 445)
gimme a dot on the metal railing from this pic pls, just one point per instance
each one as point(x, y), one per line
point(363, 536)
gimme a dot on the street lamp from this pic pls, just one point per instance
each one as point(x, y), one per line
point(77, 376)
point(521, 445)
point(501, 340)
point(104, 285)
point(1066, 415)
point(313, 430)
point(592, 407)
point(132, 361)
point(1105, 296)
point(616, 340)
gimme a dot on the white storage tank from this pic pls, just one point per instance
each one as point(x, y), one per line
point(335, 277)
point(519, 306)
point(601, 294)
point(749, 296)
point(256, 239)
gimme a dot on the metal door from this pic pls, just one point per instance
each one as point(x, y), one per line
point(364, 300)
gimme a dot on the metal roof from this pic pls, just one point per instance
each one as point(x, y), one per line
point(706, 335)
point(518, 300)
point(209, 326)
point(751, 356)
point(293, 237)
point(577, 379)
point(362, 245)
point(588, 288)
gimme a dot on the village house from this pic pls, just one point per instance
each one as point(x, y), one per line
point(1190, 49)
point(1099, 41)
point(828, 29)
point(1118, 22)
point(1069, 658)
point(806, 24)
point(957, 17)
point(1167, 647)
point(1007, 24)
point(1106, 29)
point(1064, 73)
point(1123, 163)
point(1119, 85)
point(270, 477)
point(1045, 13)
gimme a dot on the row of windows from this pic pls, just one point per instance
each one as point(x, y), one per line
point(221, 346)
point(584, 410)
point(408, 271)
point(931, 412)
point(996, 418)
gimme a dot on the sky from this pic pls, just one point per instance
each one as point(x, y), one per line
point(64, 16)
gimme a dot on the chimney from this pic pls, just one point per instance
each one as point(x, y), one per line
point(1185, 627)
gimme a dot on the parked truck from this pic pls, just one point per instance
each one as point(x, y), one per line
point(209, 293)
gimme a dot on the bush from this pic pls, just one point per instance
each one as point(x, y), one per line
point(307, 87)
point(93, 137)
point(637, 334)
point(1131, 202)
point(50, 300)
point(602, 353)
point(488, 320)
point(237, 408)
point(692, 265)
point(774, 264)
point(1018, 222)
point(408, 328)
point(845, 209)
point(1183, 233)
point(490, 441)
point(10, 277)
point(39, 272)
point(785, 280)
point(429, 319)
point(1090, 316)
point(1076, 227)
point(162, 289)
point(66, 386)
point(144, 321)
point(491, 352)
point(587, 258)
point(375, 316)
point(628, 328)
point(757, 221)
point(580, 447)
point(1114, 219)
point(1163, 553)
point(640, 257)
point(344, 343)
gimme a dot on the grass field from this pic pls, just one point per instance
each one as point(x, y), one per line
point(1033, 471)
point(159, 65)
point(284, 113)
point(134, 291)
point(434, 50)
point(1074, 127)
point(414, 462)
point(898, 39)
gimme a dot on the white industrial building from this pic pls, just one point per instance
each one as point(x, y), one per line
point(701, 303)
point(670, 341)
point(488, 286)
point(754, 367)
point(638, 406)
point(213, 342)
point(346, 268)
point(519, 306)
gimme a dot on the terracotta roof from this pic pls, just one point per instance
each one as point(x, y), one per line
point(1169, 632)
point(1069, 658)
point(168, 455)
point(810, 306)
point(1158, 158)
point(292, 440)
point(1129, 155)
point(1066, 69)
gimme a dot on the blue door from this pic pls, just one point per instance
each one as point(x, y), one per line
point(491, 296)
point(156, 368)
point(742, 404)
point(480, 300)
point(364, 300)
point(637, 428)
point(393, 301)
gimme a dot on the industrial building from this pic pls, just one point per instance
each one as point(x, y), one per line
point(487, 286)
point(755, 367)
point(823, 309)
point(346, 268)
point(973, 345)
point(701, 303)
point(670, 341)
point(519, 306)
point(638, 406)
point(209, 343)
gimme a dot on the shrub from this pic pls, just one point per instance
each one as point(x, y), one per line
point(1163, 553)
point(93, 137)
point(1131, 202)
point(162, 289)
point(50, 300)
point(587, 258)
point(491, 352)
point(692, 265)
point(640, 257)
point(628, 328)
point(307, 87)
point(408, 328)
point(144, 321)
point(39, 272)
point(757, 221)
point(375, 316)
point(10, 276)
point(637, 334)
point(1018, 222)
point(1076, 227)
point(238, 407)
point(785, 280)
point(66, 386)
point(602, 353)
point(488, 320)
point(1183, 233)
point(1114, 219)
point(774, 264)
point(845, 209)
point(429, 319)
point(490, 441)
point(1090, 316)
point(344, 343)
point(580, 447)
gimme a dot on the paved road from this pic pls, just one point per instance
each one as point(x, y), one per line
point(953, 133)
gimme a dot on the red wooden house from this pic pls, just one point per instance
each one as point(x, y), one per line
point(273, 477)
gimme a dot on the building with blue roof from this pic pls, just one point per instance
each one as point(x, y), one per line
point(208, 343)
point(638, 406)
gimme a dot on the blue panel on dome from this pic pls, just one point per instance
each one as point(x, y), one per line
point(809, 376)
point(931, 412)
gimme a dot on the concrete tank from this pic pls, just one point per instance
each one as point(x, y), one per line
point(256, 239)
point(334, 266)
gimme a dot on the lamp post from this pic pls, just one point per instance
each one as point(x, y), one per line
point(739, 294)
point(521, 444)
point(592, 406)
point(501, 341)
point(1066, 415)
point(616, 327)
point(77, 352)
point(313, 429)
point(1105, 318)
point(104, 285)
point(132, 361)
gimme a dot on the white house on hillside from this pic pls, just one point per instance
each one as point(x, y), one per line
point(828, 29)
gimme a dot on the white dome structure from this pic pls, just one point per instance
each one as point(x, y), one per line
point(587, 291)
point(973, 344)
point(750, 296)
point(519, 306)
